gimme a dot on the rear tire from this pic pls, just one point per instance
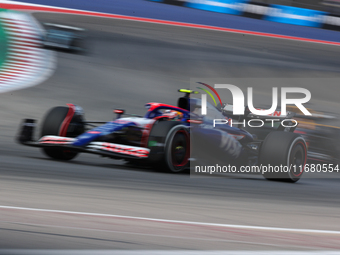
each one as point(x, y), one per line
point(51, 126)
point(287, 150)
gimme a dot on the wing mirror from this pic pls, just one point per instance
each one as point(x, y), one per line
point(119, 112)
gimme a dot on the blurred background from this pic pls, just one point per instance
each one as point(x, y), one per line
point(49, 58)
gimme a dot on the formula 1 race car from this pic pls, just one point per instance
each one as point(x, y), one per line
point(62, 37)
point(169, 137)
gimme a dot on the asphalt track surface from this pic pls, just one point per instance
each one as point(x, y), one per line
point(130, 64)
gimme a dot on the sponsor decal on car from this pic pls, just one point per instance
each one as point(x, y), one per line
point(122, 149)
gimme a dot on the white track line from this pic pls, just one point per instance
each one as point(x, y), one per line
point(296, 230)
point(159, 252)
point(30, 4)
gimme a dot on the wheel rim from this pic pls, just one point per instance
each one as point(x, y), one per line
point(298, 159)
point(180, 149)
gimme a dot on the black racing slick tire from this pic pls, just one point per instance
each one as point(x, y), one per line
point(165, 135)
point(52, 125)
point(177, 149)
point(284, 156)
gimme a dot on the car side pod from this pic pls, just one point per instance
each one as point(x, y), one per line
point(26, 131)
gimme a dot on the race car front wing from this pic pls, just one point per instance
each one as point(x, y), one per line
point(107, 149)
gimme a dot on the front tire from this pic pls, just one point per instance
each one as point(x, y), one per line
point(284, 149)
point(52, 125)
